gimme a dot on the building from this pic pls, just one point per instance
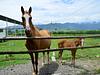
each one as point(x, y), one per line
point(2, 33)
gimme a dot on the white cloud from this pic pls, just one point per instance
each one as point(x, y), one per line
point(45, 11)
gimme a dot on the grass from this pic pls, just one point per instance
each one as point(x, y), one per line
point(13, 45)
point(18, 45)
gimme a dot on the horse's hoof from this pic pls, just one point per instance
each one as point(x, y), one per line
point(33, 74)
point(60, 63)
point(73, 64)
point(48, 62)
point(43, 64)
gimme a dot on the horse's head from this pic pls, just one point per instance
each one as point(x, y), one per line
point(26, 18)
point(79, 42)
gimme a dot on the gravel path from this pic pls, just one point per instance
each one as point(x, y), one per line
point(83, 67)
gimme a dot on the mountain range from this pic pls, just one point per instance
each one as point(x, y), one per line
point(65, 26)
point(71, 26)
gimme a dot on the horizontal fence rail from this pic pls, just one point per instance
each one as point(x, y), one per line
point(46, 50)
point(7, 19)
point(53, 37)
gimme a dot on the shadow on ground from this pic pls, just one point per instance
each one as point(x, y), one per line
point(48, 69)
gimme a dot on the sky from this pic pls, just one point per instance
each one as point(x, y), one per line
point(55, 11)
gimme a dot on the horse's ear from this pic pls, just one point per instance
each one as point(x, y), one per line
point(22, 9)
point(30, 10)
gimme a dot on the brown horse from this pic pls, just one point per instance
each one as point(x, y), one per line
point(35, 44)
point(65, 43)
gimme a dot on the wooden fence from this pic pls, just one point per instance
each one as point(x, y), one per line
point(59, 37)
point(38, 51)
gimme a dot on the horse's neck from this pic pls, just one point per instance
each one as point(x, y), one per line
point(35, 31)
point(77, 42)
point(28, 34)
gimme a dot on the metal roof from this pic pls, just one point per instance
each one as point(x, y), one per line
point(3, 18)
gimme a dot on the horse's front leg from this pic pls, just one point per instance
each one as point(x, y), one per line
point(73, 52)
point(33, 63)
point(60, 56)
point(36, 63)
point(32, 57)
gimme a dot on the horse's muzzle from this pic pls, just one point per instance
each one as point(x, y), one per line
point(28, 33)
point(28, 28)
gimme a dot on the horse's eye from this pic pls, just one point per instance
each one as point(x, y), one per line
point(30, 18)
point(23, 19)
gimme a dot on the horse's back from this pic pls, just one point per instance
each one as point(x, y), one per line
point(45, 33)
point(66, 43)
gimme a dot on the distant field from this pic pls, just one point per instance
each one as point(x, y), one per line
point(18, 45)
point(76, 32)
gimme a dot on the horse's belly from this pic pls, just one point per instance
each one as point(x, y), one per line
point(45, 43)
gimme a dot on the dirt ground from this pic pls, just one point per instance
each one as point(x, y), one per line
point(83, 67)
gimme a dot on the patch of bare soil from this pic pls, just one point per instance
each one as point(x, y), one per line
point(83, 67)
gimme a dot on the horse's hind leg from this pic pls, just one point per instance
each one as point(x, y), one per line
point(43, 58)
point(60, 56)
point(48, 57)
point(73, 52)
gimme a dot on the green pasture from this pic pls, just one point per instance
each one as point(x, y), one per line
point(13, 45)
point(18, 45)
